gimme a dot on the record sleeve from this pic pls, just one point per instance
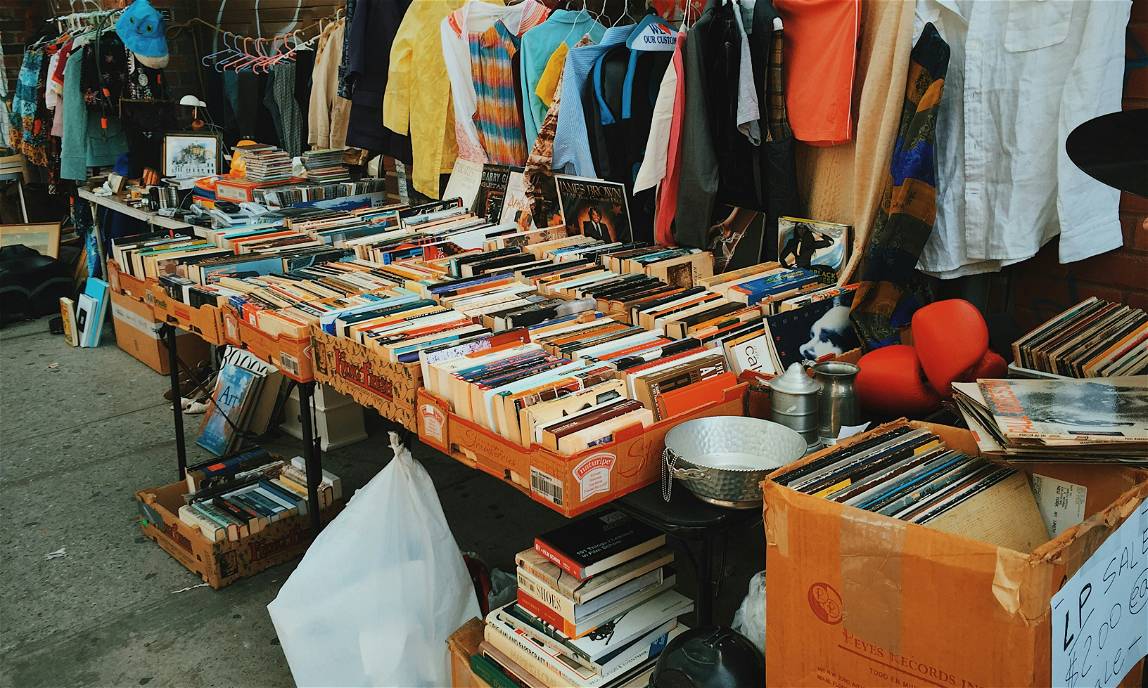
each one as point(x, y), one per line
point(595, 208)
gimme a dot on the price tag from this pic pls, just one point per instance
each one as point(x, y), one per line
point(1099, 621)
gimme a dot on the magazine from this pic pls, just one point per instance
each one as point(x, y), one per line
point(595, 208)
point(1070, 411)
point(808, 243)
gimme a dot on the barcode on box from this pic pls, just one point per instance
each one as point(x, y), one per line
point(289, 363)
point(546, 485)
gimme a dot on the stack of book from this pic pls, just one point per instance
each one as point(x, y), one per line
point(235, 497)
point(326, 166)
point(1100, 420)
point(267, 165)
point(1094, 338)
point(595, 607)
point(247, 394)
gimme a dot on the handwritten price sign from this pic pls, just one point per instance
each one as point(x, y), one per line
point(1099, 620)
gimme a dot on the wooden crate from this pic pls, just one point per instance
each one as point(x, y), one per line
point(293, 357)
point(205, 321)
point(220, 564)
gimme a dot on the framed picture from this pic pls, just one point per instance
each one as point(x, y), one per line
point(44, 237)
point(190, 155)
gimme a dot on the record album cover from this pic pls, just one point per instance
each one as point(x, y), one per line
point(491, 194)
point(813, 331)
point(807, 243)
point(595, 208)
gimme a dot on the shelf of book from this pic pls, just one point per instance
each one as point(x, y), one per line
point(355, 370)
point(894, 579)
point(222, 563)
point(124, 284)
point(205, 321)
point(292, 356)
point(570, 485)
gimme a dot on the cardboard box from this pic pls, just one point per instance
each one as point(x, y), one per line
point(137, 333)
point(857, 598)
point(355, 370)
point(123, 283)
point(293, 357)
point(220, 564)
point(570, 485)
point(461, 646)
point(205, 321)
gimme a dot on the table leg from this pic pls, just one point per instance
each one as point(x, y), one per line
point(20, 191)
point(704, 604)
point(310, 453)
point(177, 409)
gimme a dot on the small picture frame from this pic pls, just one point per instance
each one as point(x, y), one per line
point(44, 237)
point(188, 156)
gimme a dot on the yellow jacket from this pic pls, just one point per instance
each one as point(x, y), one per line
point(417, 101)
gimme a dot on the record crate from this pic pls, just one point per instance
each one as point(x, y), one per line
point(222, 563)
point(868, 599)
point(205, 321)
point(570, 485)
point(360, 373)
point(123, 283)
point(292, 356)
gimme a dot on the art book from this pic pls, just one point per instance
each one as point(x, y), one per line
point(595, 208)
point(805, 243)
point(235, 390)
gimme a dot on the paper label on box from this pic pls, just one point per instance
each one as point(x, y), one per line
point(1099, 620)
point(546, 485)
point(434, 423)
point(593, 474)
point(289, 363)
point(146, 326)
point(1061, 503)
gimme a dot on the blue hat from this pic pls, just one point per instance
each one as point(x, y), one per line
point(141, 28)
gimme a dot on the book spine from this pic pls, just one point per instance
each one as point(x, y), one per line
point(566, 564)
point(547, 614)
point(546, 595)
point(526, 655)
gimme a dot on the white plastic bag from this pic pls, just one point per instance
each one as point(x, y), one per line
point(749, 619)
point(379, 591)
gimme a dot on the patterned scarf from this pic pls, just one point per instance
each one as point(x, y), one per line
point(891, 289)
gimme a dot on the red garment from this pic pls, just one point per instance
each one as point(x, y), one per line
point(61, 62)
point(668, 189)
point(820, 60)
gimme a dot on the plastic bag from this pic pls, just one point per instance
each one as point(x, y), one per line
point(379, 591)
point(749, 619)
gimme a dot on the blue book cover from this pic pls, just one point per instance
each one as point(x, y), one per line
point(91, 325)
point(234, 394)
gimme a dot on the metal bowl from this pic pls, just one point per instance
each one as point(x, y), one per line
point(723, 459)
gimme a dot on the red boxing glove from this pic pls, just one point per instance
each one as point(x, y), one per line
point(951, 339)
point(991, 367)
point(891, 383)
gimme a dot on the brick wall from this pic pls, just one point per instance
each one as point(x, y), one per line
point(1041, 287)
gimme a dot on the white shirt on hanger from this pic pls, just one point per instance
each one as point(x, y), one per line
point(1022, 75)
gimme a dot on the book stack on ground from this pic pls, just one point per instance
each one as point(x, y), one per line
point(247, 395)
point(240, 495)
point(326, 166)
point(1100, 420)
point(267, 165)
point(595, 608)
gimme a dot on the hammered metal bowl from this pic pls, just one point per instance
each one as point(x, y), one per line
point(723, 459)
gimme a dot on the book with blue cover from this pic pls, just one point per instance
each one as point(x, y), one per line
point(235, 393)
point(91, 311)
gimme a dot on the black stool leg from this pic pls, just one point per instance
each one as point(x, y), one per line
point(177, 410)
point(310, 455)
point(703, 605)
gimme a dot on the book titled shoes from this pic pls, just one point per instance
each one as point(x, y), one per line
point(592, 545)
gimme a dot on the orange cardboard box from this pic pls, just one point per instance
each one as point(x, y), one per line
point(293, 357)
point(570, 485)
point(123, 283)
point(355, 370)
point(205, 321)
point(137, 334)
point(857, 599)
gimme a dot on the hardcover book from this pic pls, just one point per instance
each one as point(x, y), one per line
point(591, 545)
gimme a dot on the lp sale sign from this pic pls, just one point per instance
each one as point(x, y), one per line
point(1099, 620)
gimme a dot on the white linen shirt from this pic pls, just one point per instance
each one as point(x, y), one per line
point(1022, 75)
